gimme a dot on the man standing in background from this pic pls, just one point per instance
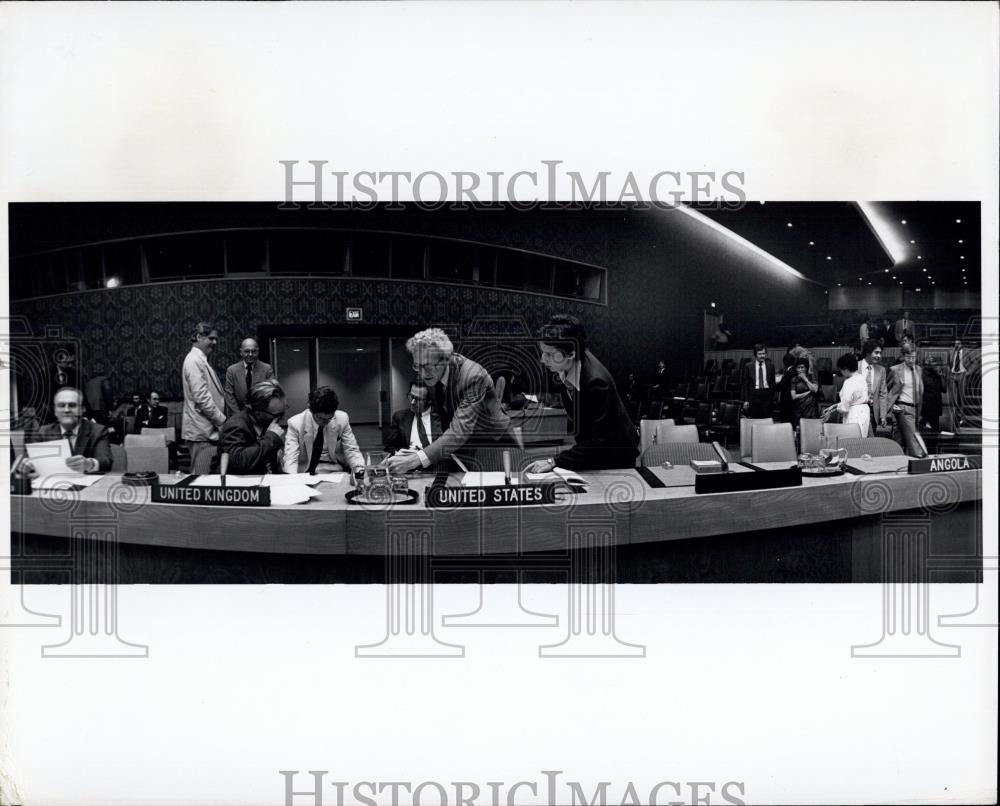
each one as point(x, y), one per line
point(956, 380)
point(243, 375)
point(203, 399)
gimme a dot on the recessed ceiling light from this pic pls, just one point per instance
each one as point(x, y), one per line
point(869, 283)
point(920, 257)
point(838, 285)
point(961, 241)
point(903, 221)
point(918, 289)
point(886, 271)
point(912, 241)
point(762, 202)
point(958, 220)
point(923, 269)
point(900, 282)
point(829, 258)
point(859, 278)
point(894, 277)
point(788, 224)
point(812, 243)
point(961, 257)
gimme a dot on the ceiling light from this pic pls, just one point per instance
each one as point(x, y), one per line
point(920, 257)
point(838, 285)
point(869, 283)
point(829, 258)
point(812, 243)
point(900, 282)
point(961, 257)
point(886, 271)
point(912, 241)
point(112, 282)
point(960, 240)
point(958, 220)
point(903, 221)
point(788, 224)
point(762, 202)
point(859, 278)
point(924, 270)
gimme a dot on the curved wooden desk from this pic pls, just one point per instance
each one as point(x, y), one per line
point(618, 501)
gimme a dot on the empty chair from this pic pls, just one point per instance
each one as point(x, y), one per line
point(835, 431)
point(719, 388)
point(678, 453)
point(130, 425)
point(669, 432)
point(655, 410)
point(169, 435)
point(746, 433)
point(701, 392)
point(17, 441)
point(872, 446)
point(773, 442)
point(829, 392)
point(141, 458)
point(145, 440)
point(119, 461)
point(675, 411)
point(727, 424)
point(809, 430)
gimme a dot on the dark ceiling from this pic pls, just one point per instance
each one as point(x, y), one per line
point(832, 242)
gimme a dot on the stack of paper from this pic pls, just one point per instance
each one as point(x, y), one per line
point(556, 474)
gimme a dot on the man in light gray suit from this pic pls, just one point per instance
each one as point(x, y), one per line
point(243, 375)
point(870, 368)
point(204, 401)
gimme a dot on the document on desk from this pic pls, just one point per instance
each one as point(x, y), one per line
point(213, 480)
point(64, 479)
point(556, 474)
point(50, 448)
point(475, 478)
point(284, 479)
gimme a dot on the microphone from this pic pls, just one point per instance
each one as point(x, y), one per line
point(223, 467)
point(722, 456)
point(506, 468)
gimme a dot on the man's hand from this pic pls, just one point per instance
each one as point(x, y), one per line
point(274, 428)
point(79, 464)
point(746, 405)
point(882, 422)
point(398, 465)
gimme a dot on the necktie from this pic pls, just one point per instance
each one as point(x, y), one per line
point(868, 379)
point(68, 436)
point(916, 390)
point(957, 362)
point(317, 451)
point(421, 431)
point(250, 381)
point(760, 374)
point(439, 404)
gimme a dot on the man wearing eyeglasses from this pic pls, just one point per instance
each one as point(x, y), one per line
point(416, 427)
point(463, 396)
point(244, 375)
point(151, 414)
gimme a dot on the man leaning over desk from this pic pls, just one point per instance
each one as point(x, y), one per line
point(462, 394)
point(320, 439)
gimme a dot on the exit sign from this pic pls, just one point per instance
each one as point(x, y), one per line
point(354, 315)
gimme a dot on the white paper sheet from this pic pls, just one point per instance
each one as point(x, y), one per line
point(282, 479)
point(212, 480)
point(51, 448)
point(476, 478)
point(62, 481)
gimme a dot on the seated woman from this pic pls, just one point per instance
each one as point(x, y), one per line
point(853, 405)
point(804, 391)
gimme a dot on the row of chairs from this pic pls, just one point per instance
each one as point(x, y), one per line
point(771, 443)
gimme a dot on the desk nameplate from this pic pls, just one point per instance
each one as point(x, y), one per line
point(211, 496)
point(443, 497)
point(945, 464)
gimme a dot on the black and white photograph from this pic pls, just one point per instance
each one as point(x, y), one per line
point(499, 404)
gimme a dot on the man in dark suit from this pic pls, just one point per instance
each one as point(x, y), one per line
point(906, 392)
point(89, 450)
point(415, 427)
point(252, 437)
point(605, 435)
point(242, 375)
point(151, 414)
point(757, 384)
point(463, 395)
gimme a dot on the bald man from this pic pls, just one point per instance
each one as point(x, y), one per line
point(243, 375)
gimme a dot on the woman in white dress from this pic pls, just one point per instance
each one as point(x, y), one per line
point(853, 403)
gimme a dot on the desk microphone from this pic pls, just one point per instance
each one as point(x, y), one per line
point(722, 456)
point(506, 468)
point(223, 467)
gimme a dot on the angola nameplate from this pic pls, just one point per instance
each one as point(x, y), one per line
point(945, 464)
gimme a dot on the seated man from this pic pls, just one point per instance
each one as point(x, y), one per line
point(151, 414)
point(320, 439)
point(605, 435)
point(462, 393)
point(416, 427)
point(89, 450)
point(252, 437)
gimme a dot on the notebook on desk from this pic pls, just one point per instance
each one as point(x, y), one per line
point(877, 464)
